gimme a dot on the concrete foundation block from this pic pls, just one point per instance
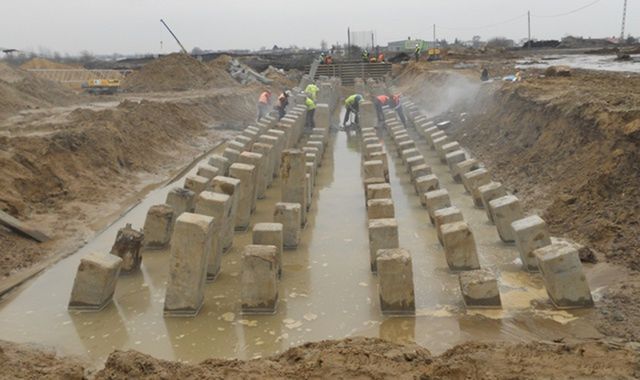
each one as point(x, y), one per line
point(268, 154)
point(247, 176)
point(479, 289)
point(382, 156)
point(380, 209)
point(372, 148)
point(378, 191)
point(489, 192)
point(418, 171)
point(196, 183)
point(231, 155)
point(531, 233)
point(127, 247)
point(270, 234)
point(289, 216)
point(181, 200)
point(231, 187)
point(207, 171)
point(95, 282)
point(383, 234)
point(373, 169)
point(309, 190)
point(444, 216)
point(446, 149)
point(463, 167)
point(459, 246)
point(563, 276)
point(276, 152)
point(311, 171)
point(217, 206)
point(506, 210)
point(190, 253)
point(414, 161)
point(395, 282)
point(454, 157)
point(439, 142)
point(409, 153)
point(221, 163)
point(259, 281)
point(406, 144)
point(158, 226)
point(473, 180)
point(424, 185)
point(260, 164)
point(294, 182)
point(435, 200)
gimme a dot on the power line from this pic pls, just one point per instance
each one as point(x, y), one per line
point(569, 12)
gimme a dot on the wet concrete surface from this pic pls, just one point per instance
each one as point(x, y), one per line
point(327, 290)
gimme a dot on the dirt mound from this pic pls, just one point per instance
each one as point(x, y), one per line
point(176, 72)
point(366, 358)
point(26, 361)
point(10, 74)
point(41, 63)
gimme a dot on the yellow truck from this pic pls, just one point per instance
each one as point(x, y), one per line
point(102, 86)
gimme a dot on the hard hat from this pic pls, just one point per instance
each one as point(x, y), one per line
point(287, 93)
point(358, 97)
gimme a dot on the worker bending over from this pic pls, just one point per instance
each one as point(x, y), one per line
point(263, 104)
point(283, 102)
point(397, 106)
point(310, 122)
point(352, 104)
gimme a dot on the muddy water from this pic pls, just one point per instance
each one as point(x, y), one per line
point(327, 289)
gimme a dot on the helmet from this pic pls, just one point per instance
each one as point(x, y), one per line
point(287, 93)
point(359, 98)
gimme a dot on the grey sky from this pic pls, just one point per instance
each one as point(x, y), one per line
point(132, 26)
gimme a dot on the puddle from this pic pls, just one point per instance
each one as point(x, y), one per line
point(327, 291)
point(584, 61)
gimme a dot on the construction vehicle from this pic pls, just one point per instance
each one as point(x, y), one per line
point(102, 86)
point(433, 54)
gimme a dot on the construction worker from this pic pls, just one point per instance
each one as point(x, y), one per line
point(312, 91)
point(365, 56)
point(485, 75)
point(417, 52)
point(263, 104)
point(310, 122)
point(283, 102)
point(380, 101)
point(352, 104)
point(381, 57)
point(397, 106)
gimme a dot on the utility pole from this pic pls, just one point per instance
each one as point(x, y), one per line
point(435, 42)
point(372, 43)
point(529, 27)
point(624, 20)
point(349, 42)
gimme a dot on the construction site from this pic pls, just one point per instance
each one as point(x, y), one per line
point(442, 213)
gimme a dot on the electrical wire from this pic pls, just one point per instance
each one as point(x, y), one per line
point(569, 12)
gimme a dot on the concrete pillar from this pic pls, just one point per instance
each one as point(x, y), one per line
point(446, 149)
point(277, 144)
point(506, 210)
point(479, 289)
point(383, 234)
point(247, 176)
point(435, 200)
point(268, 153)
point(459, 246)
point(418, 171)
point(446, 215)
point(373, 169)
point(220, 162)
point(293, 174)
point(489, 192)
point(407, 144)
point(465, 167)
point(382, 156)
point(563, 276)
point(309, 188)
point(453, 158)
point(531, 233)
point(260, 163)
point(289, 215)
point(127, 247)
point(196, 183)
point(95, 282)
point(231, 155)
point(408, 153)
point(424, 185)
point(414, 161)
point(231, 187)
point(473, 180)
point(378, 191)
point(380, 209)
point(217, 206)
point(323, 118)
point(207, 171)
point(439, 142)
point(259, 281)
point(372, 148)
point(395, 281)
point(158, 226)
point(367, 114)
point(433, 137)
point(190, 252)
point(181, 200)
point(270, 234)
point(428, 131)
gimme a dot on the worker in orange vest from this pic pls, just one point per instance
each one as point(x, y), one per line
point(397, 106)
point(283, 102)
point(263, 104)
point(381, 57)
point(380, 101)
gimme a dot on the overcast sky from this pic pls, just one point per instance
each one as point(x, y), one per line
point(133, 26)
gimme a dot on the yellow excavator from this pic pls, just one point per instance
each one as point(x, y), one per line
point(102, 86)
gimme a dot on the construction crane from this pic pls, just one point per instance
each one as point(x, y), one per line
point(624, 20)
point(174, 36)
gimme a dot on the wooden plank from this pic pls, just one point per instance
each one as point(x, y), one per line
point(22, 228)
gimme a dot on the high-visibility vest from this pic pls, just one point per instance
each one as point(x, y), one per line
point(311, 105)
point(352, 99)
point(312, 90)
point(383, 99)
